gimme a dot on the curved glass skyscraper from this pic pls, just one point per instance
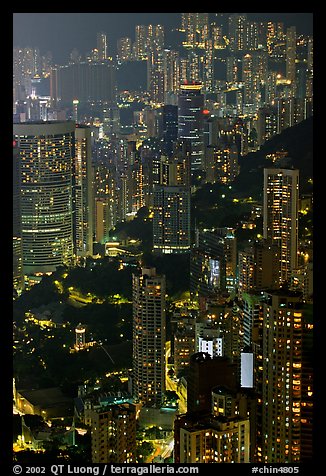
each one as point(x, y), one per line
point(46, 152)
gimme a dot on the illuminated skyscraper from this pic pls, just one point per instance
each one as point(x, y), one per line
point(83, 192)
point(238, 31)
point(208, 73)
point(280, 225)
point(149, 335)
point(46, 153)
point(190, 121)
point(171, 69)
point(124, 49)
point(266, 124)
point(291, 49)
point(282, 377)
point(232, 69)
point(102, 46)
point(171, 222)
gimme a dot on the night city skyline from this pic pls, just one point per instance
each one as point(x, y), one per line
point(163, 241)
point(79, 29)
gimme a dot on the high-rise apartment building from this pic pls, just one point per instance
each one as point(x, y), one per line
point(238, 31)
point(266, 124)
point(282, 377)
point(102, 46)
point(83, 192)
point(149, 335)
point(280, 216)
point(190, 121)
point(291, 50)
point(113, 434)
point(210, 439)
point(124, 49)
point(46, 154)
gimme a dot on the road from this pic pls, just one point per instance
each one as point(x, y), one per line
point(171, 384)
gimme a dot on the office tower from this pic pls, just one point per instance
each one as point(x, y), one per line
point(149, 335)
point(266, 124)
point(282, 377)
point(190, 121)
point(124, 49)
point(113, 434)
point(83, 192)
point(171, 221)
point(102, 46)
point(204, 373)
point(237, 31)
point(16, 185)
point(280, 216)
point(170, 128)
point(85, 81)
point(45, 149)
point(291, 50)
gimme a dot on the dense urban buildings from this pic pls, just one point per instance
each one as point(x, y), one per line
point(163, 238)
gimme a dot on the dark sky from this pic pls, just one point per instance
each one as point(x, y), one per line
point(61, 32)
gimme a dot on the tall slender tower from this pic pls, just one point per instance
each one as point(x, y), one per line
point(280, 225)
point(149, 335)
point(102, 46)
point(83, 193)
point(190, 121)
point(46, 152)
point(291, 49)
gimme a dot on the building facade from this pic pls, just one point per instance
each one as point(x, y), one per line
point(46, 154)
point(149, 335)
